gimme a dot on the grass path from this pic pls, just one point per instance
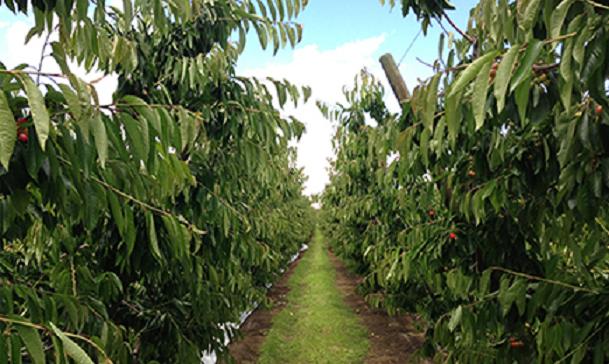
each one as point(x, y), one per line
point(316, 326)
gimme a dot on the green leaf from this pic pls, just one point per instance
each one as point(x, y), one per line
point(149, 114)
point(470, 73)
point(424, 145)
point(529, 16)
point(525, 69)
point(306, 91)
point(566, 62)
point(127, 13)
point(33, 343)
point(72, 100)
point(152, 237)
point(595, 57)
point(137, 133)
point(3, 349)
point(8, 131)
point(479, 95)
point(558, 17)
point(15, 349)
point(584, 132)
point(187, 128)
point(455, 318)
point(42, 123)
point(101, 138)
point(431, 102)
point(522, 100)
point(581, 41)
point(71, 348)
point(504, 72)
point(453, 116)
point(262, 36)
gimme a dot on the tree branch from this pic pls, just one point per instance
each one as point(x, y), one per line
point(463, 34)
point(42, 56)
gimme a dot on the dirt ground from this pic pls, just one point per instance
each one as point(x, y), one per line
point(257, 326)
point(392, 339)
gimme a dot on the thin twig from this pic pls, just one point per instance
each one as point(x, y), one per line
point(595, 4)
point(541, 279)
point(543, 68)
point(42, 56)
point(463, 34)
point(425, 63)
point(43, 74)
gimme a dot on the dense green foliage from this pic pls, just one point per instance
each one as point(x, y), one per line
point(131, 232)
point(482, 206)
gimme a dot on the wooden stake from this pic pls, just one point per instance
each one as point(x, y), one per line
point(395, 78)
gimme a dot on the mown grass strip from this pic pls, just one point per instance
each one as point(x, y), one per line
point(316, 326)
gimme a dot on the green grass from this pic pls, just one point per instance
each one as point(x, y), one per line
point(316, 326)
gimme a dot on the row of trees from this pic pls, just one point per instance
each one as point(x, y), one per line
point(482, 206)
point(130, 232)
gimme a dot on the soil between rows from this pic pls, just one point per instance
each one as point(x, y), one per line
point(393, 339)
point(258, 324)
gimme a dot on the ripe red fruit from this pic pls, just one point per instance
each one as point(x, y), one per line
point(452, 236)
point(516, 343)
point(471, 173)
point(431, 213)
point(23, 137)
point(598, 109)
point(21, 121)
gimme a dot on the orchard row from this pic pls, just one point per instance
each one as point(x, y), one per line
point(482, 206)
point(132, 232)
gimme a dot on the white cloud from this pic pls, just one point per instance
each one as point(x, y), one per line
point(326, 72)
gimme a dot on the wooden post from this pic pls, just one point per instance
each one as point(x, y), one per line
point(395, 78)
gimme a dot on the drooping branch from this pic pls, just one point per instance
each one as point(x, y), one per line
point(459, 30)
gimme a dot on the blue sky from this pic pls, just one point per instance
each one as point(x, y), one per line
point(330, 23)
point(340, 38)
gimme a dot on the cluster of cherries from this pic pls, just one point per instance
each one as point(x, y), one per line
point(22, 132)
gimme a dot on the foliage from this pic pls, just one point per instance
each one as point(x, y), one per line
point(424, 10)
point(131, 232)
point(482, 205)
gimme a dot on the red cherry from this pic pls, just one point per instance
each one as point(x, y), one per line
point(516, 344)
point(21, 121)
point(431, 213)
point(23, 137)
point(452, 236)
point(598, 109)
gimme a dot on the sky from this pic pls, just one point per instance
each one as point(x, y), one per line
point(340, 37)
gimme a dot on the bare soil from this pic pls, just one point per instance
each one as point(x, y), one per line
point(393, 339)
point(258, 324)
